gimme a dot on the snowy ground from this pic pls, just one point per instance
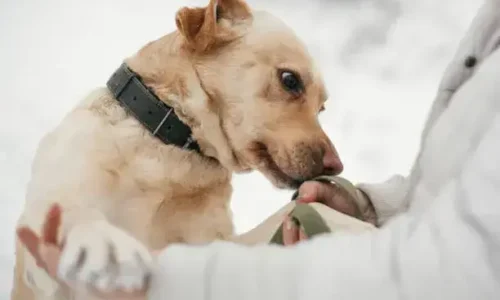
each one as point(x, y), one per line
point(382, 60)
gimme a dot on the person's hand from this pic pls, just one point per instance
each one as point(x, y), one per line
point(47, 251)
point(337, 198)
point(332, 196)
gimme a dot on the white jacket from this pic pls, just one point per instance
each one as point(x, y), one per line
point(441, 232)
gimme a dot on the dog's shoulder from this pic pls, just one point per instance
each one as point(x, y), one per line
point(85, 141)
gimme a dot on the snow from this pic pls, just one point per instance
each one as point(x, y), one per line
point(382, 61)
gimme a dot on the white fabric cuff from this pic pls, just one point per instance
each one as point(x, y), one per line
point(387, 197)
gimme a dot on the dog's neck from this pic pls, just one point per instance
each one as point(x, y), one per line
point(161, 119)
point(166, 69)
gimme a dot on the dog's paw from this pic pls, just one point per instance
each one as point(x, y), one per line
point(100, 256)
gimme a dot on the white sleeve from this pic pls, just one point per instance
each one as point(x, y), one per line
point(452, 251)
point(387, 197)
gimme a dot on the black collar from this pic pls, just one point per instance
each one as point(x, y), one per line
point(153, 113)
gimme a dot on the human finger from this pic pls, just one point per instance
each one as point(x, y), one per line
point(290, 232)
point(314, 191)
point(302, 235)
point(51, 225)
point(31, 241)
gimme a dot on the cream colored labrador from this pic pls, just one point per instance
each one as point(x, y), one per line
point(246, 95)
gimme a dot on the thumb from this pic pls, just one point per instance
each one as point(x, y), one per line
point(314, 191)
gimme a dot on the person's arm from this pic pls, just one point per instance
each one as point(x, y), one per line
point(450, 252)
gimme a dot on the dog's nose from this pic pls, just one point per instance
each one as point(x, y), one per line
point(331, 163)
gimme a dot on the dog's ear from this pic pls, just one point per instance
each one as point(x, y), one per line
point(205, 27)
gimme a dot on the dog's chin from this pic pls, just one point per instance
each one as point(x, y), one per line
point(280, 180)
point(269, 168)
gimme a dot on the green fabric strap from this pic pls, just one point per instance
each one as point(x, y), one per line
point(343, 183)
point(306, 218)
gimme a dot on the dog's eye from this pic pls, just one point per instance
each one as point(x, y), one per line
point(322, 108)
point(291, 82)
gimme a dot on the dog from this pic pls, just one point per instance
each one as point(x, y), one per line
point(236, 91)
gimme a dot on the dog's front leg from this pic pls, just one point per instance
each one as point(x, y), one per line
point(96, 255)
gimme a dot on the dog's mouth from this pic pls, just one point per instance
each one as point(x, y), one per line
point(270, 168)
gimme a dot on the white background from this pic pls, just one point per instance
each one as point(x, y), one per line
point(382, 61)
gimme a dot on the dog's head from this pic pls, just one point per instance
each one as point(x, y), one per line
point(248, 88)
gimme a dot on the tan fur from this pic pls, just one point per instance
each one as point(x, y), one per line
point(221, 78)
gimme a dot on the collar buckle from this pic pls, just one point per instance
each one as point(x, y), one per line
point(188, 143)
point(162, 121)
